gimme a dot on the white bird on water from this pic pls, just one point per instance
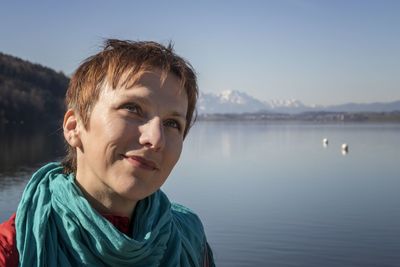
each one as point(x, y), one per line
point(325, 141)
point(345, 149)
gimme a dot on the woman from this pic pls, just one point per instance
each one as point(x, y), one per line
point(129, 109)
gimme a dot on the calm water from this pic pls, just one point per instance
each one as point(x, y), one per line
point(271, 194)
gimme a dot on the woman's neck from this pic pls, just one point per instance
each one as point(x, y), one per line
point(107, 202)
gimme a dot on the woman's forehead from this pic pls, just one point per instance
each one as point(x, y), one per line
point(151, 79)
point(149, 89)
point(132, 77)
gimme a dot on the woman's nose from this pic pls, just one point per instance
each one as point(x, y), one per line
point(152, 134)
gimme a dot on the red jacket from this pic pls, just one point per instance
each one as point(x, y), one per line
point(8, 246)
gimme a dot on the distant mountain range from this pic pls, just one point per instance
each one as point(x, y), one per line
point(32, 95)
point(236, 102)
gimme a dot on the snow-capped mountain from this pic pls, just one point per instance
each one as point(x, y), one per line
point(228, 102)
point(286, 106)
point(284, 103)
point(231, 101)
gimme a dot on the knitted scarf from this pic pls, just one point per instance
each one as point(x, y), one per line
point(56, 226)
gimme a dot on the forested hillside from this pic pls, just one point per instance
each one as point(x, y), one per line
point(30, 94)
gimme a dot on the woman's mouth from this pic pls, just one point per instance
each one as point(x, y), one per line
point(141, 162)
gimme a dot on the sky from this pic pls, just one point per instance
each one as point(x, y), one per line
point(319, 52)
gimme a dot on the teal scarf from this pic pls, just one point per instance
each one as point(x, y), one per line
point(56, 226)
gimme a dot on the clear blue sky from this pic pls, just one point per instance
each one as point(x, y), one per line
point(319, 52)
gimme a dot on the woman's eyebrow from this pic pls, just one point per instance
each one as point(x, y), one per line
point(136, 98)
point(178, 114)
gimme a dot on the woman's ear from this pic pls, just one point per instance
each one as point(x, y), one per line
point(71, 126)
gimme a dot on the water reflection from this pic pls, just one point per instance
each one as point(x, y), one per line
point(20, 149)
point(273, 195)
point(23, 151)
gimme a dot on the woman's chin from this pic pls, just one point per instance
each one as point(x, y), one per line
point(134, 191)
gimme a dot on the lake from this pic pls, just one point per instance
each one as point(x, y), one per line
point(269, 194)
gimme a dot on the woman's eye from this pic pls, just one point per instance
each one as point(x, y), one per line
point(173, 124)
point(132, 108)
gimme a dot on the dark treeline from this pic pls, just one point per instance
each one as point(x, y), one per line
point(30, 94)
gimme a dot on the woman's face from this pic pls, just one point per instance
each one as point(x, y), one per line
point(134, 138)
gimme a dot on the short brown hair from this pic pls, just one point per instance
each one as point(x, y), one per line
point(121, 62)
